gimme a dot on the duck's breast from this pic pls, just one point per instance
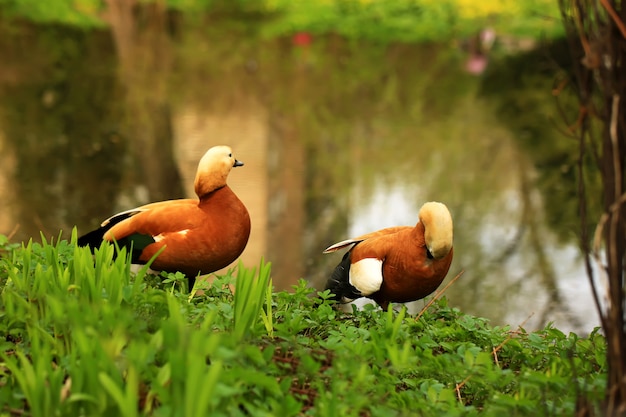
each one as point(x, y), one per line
point(412, 275)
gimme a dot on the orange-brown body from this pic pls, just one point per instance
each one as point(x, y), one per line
point(408, 269)
point(195, 236)
point(217, 230)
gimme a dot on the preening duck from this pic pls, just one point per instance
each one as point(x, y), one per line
point(200, 235)
point(397, 264)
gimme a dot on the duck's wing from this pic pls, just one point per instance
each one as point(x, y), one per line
point(123, 215)
point(122, 225)
point(152, 219)
point(95, 237)
point(341, 245)
point(118, 217)
point(355, 240)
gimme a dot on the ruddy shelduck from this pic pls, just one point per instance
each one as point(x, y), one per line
point(397, 264)
point(198, 236)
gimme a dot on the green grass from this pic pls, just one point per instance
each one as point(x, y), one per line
point(82, 336)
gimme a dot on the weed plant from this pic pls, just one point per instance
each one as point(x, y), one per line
point(80, 335)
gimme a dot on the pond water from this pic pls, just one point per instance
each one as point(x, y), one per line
point(337, 139)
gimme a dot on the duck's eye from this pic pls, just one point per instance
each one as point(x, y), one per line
point(230, 155)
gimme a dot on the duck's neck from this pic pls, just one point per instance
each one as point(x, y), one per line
point(206, 183)
point(211, 194)
point(418, 230)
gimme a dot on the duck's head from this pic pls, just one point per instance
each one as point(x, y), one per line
point(213, 169)
point(437, 223)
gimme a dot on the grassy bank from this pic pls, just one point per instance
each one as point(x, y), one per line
point(82, 336)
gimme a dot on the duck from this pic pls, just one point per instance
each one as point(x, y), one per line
point(196, 236)
point(396, 264)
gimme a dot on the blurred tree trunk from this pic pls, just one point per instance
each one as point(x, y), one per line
point(142, 41)
point(597, 35)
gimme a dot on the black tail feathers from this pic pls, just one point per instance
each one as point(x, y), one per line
point(134, 243)
point(339, 282)
point(92, 239)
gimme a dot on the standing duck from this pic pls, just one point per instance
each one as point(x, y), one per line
point(397, 264)
point(199, 235)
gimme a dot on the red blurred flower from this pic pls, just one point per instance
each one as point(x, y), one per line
point(302, 39)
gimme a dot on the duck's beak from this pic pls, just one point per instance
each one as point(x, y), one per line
point(238, 163)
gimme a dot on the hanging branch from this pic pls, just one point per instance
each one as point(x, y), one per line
point(598, 42)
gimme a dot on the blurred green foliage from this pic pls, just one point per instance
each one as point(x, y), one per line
point(81, 13)
point(417, 20)
point(377, 20)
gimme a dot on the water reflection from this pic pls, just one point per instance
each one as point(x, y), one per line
point(340, 141)
point(515, 269)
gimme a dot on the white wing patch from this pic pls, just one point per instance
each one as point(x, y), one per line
point(366, 275)
point(161, 236)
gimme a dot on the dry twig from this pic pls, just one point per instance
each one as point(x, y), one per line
point(438, 294)
point(515, 332)
point(459, 386)
point(611, 11)
point(14, 231)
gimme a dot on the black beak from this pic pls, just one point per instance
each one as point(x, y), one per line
point(238, 163)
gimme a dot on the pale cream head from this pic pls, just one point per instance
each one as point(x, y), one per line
point(437, 228)
point(213, 169)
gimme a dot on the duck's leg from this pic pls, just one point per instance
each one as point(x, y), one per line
point(191, 281)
